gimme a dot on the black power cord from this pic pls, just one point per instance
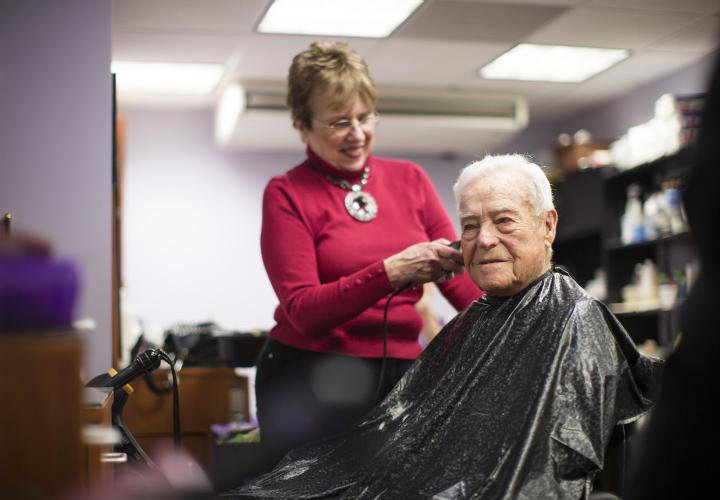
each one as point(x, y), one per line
point(383, 365)
point(381, 379)
point(176, 398)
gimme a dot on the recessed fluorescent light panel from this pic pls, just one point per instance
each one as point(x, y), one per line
point(363, 18)
point(167, 78)
point(551, 63)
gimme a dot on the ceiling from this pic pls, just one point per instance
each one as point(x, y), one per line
point(442, 45)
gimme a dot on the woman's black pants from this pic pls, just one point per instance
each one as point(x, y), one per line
point(304, 396)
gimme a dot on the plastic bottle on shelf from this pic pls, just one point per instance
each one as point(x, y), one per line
point(647, 284)
point(597, 287)
point(632, 221)
point(656, 216)
point(667, 291)
point(650, 217)
point(674, 203)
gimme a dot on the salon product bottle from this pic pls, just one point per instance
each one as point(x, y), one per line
point(650, 213)
point(632, 222)
point(661, 216)
point(673, 201)
point(647, 285)
point(597, 287)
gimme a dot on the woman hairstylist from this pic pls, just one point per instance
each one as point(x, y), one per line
point(341, 232)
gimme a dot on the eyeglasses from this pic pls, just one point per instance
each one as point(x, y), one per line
point(344, 125)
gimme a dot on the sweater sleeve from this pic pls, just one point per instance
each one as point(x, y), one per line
point(459, 291)
point(290, 258)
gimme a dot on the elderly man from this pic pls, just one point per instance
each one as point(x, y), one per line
point(518, 395)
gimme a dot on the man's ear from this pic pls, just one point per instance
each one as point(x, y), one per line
point(551, 218)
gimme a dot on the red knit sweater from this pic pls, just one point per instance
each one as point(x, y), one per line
point(327, 268)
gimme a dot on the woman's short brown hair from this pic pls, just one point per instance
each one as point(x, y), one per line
point(327, 65)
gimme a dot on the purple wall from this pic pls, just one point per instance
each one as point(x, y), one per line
point(191, 222)
point(55, 142)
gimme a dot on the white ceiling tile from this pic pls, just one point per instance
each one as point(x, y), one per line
point(701, 37)
point(236, 16)
point(640, 69)
point(494, 22)
point(268, 57)
point(698, 6)
point(173, 47)
point(419, 62)
point(554, 101)
point(620, 28)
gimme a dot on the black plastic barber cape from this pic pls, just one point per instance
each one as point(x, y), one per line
point(515, 399)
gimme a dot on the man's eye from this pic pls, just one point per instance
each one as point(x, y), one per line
point(468, 228)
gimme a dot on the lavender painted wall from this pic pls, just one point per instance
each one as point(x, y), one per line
point(55, 141)
point(191, 224)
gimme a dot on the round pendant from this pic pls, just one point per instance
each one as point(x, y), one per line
point(361, 205)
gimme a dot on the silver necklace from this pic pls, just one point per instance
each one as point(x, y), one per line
point(359, 204)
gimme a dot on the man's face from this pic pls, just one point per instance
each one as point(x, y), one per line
point(505, 245)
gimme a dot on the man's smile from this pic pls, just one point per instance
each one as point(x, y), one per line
point(485, 262)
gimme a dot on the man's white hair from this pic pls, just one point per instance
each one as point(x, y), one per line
point(539, 190)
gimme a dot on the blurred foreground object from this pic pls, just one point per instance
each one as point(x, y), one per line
point(40, 360)
point(177, 476)
point(37, 291)
point(14, 243)
point(680, 447)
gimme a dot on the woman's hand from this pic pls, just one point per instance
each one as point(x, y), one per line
point(423, 262)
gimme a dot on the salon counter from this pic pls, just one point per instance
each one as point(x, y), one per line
point(208, 395)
